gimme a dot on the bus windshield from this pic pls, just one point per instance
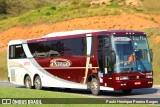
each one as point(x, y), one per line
point(132, 53)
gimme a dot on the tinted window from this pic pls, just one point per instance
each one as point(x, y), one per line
point(16, 52)
point(68, 47)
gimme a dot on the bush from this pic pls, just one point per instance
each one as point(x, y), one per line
point(3, 6)
point(48, 14)
point(75, 2)
point(85, 4)
point(53, 8)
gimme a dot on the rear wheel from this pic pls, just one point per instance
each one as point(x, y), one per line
point(28, 82)
point(95, 86)
point(127, 91)
point(38, 83)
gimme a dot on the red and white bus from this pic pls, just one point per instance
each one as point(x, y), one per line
point(83, 59)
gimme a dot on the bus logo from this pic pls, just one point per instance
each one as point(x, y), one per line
point(60, 62)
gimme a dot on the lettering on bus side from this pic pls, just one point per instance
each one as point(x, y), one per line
point(60, 62)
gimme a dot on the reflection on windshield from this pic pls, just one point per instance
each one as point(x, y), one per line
point(132, 54)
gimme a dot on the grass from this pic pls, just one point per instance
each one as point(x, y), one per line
point(57, 13)
point(84, 105)
point(152, 33)
point(151, 6)
point(48, 11)
point(66, 10)
point(32, 93)
point(29, 93)
point(3, 66)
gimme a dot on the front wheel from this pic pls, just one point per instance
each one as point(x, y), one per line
point(95, 86)
point(127, 91)
point(38, 83)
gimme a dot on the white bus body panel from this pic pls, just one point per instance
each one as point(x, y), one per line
point(18, 70)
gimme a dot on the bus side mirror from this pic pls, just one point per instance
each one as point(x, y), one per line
point(113, 57)
point(151, 55)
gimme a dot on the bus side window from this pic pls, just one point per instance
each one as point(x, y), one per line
point(74, 47)
point(104, 53)
point(107, 54)
point(16, 52)
point(11, 52)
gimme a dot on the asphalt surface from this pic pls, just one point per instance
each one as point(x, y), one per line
point(153, 92)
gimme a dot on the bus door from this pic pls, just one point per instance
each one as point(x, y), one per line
point(104, 59)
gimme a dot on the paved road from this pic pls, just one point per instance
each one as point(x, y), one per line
point(137, 93)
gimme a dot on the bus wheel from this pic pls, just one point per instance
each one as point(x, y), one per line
point(127, 91)
point(95, 86)
point(28, 82)
point(37, 83)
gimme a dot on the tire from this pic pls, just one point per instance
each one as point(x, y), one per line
point(28, 82)
point(37, 83)
point(127, 91)
point(95, 86)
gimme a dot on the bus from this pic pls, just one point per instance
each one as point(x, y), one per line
point(83, 59)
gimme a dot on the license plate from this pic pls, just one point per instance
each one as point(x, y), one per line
point(137, 83)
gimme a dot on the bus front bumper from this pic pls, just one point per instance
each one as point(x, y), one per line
point(133, 84)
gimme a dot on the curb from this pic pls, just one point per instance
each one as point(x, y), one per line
point(4, 81)
point(156, 86)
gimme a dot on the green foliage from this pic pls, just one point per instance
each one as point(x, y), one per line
point(80, 3)
point(17, 7)
point(112, 1)
point(113, 5)
point(75, 2)
point(138, 9)
point(59, 13)
point(48, 14)
point(85, 4)
point(3, 6)
point(3, 16)
point(53, 7)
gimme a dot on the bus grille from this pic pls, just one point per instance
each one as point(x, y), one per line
point(13, 78)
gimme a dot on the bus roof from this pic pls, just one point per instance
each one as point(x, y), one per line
point(75, 32)
point(14, 42)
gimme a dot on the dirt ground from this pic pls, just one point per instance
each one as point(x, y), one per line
point(119, 22)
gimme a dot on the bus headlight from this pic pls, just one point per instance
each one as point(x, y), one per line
point(122, 78)
point(149, 76)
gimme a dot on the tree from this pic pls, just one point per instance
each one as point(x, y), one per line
point(3, 6)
